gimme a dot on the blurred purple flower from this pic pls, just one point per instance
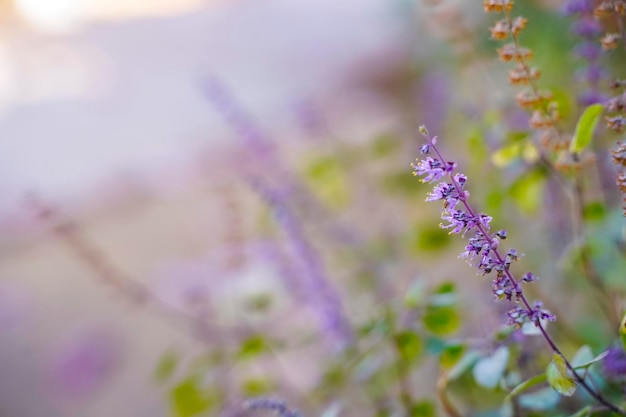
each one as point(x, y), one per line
point(85, 362)
point(615, 363)
point(433, 98)
point(320, 294)
point(589, 29)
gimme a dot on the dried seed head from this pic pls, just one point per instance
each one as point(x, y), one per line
point(619, 154)
point(615, 84)
point(528, 99)
point(519, 24)
point(522, 75)
point(616, 123)
point(497, 5)
point(616, 104)
point(610, 41)
point(500, 30)
point(510, 51)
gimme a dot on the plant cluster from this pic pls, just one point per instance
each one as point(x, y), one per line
point(433, 345)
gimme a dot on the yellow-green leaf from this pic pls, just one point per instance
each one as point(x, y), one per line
point(585, 128)
point(558, 378)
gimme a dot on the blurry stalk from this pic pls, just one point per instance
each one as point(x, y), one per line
point(316, 287)
point(605, 299)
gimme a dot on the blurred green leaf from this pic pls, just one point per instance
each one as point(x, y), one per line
point(402, 183)
point(256, 387)
point(583, 355)
point(441, 321)
point(451, 355)
point(258, 302)
point(527, 190)
point(384, 145)
point(166, 366)
point(594, 211)
point(543, 399)
point(409, 345)
point(446, 288)
point(444, 295)
point(476, 147)
point(466, 362)
point(189, 400)
point(326, 177)
point(414, 295)
point(529, 383)
point(253, 346)
point(506, 155)
point(489, 370)
point(585, 128)
point(558, 377)
point(428, 237)
point(422, 408)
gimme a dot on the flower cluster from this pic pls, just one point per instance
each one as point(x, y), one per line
point(544, 111)
point(482, 250)
point(587, 27)
point(279, 407)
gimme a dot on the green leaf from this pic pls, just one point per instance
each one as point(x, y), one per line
point(427, 237)
point(583, 355)
point(253, 346)
point(189, 400)
point(385, 144)
point(558, 378)
point(584, 358)
point(441, 321)
point(444, 295)
point(451, 355)
point(166, 366)
point(489, 370)
point(414, 295)
point(543, 399)
point(585, 127)
point(409, 345)
point(256, 387)
point(527, 191)
point(466, 362)
point(506, 155)
point(594, 211)
point(529, 383)
point(422, 408)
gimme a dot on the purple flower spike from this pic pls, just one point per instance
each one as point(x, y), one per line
point(482, 250)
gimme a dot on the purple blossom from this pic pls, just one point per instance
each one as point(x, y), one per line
point(573, 7)
point(589, 29)
point(320, 294)
point(614, 363)
point(279, 407)
point(482, 250)
point(432, 168)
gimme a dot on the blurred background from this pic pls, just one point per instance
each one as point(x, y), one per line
point(145, 144)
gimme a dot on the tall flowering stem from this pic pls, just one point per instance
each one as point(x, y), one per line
point(483, 250)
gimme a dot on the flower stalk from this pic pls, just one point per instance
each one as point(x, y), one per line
point(484, 252)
